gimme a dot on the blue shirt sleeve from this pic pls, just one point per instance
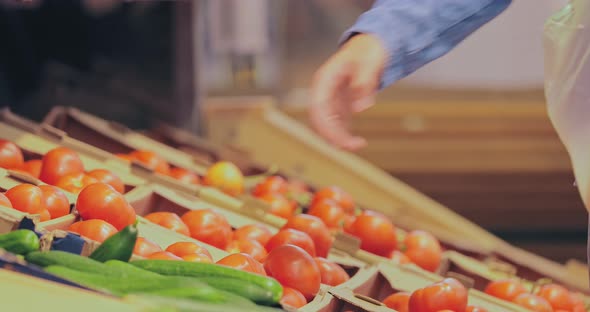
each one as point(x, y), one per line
point(416, 32)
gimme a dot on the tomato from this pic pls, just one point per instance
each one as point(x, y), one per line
point(558, 296)
point(163, 255)
point(244, 262)
point(316, 229)
point(578, 303)
point(447, 294)
point(97, 230)
point(145, 247)
point(293, 267)
point(169, 220)
point(4, 201)
point(329, 211)
point(59, 162)
point(332, 274)
point(292, 237)
point(190, 251)
point(11, 157)
point(256, 232)
point(126, 157)
point(209, 227)
point(32, 167)
point(184, 176)
point(506, 289)
point(279, 205)
point(225, 176)
point(28, 198)
point(533, 302)
point(248, 246)
point(101, 201)
point(296, 186)
point(75, 182)
point(292, 298)
point(151, 160)
point(400, 258)
point(197, 257)
point(343, 199)
point(106, 176)
point(475, 309)
point(399, 301)
point(377, 234)
point(56, 201)
point(424, 250)
point(272, 184)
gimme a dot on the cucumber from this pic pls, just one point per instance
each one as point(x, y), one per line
point(68, 260)
point(267, 291)
point(20, 242)
point(118, 247)
point(126, 269)
point(208, 294)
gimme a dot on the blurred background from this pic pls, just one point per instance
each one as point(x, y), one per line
point(469, 130)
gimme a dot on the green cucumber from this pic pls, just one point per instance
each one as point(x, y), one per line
point(236, 286)
point(68, 260)
point(126, 269)
point(20, 242)
point(207, 294)
point(118, 247)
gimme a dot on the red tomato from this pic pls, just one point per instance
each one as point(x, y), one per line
point(578, 303)
point(33, 167)
point(59, 162)
point(126, 157)
point(279, 205)
point(272, 184)
point(256, 232)
point(293, 267)
point(533, 302)
point(292, 237)
point(557, 296)
point(332, 274)
point(292, 298)
point(209, 227)
point(11, 157)
point(197, 257)
point(106, 176)
point(184, 176)
point(296, 186)
point(475, 309)
point(248, 246)
point(169, 220)
point(335, 193)
point(75, 182)
point(163, 255)
point(399, 301)
point(101, 201)
point(424, 250)
point(28, 198)
point(316, 229)
point(329, 211)
point(506, 289)
point(56, 201)
point(4, 201)
point(377, 234)
point(190, 251)
point(448, 294)
point(400, 258)
point(152, 161)
point(145, 247)
point(97, 230)
point(244, 262)
point(226, 177)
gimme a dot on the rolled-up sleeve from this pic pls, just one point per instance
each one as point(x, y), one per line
point(416, 32)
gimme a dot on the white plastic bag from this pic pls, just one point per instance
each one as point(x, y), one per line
point(567, 85)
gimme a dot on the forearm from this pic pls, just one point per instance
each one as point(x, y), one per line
point(416, 32)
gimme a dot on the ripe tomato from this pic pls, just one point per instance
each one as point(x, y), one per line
point(163, 255)
point(225, 176)
point(256, 232)
point(272, 184)
point(475, 309)
point(292, 298)
point(75, 182)
point(244, 262)
point(59, 162)
point(126, 157)
point(197, 257)
point(108, 177)
point(447, 294)
point(56, 201)
point(190, 251)
point(4, 201)
point(506, 289)
point(399, 301)
point(377, 234)
point(184, 176)
point(329, 211)
point(296, 186)
point(33, 167)
point(315, 228)
point(400, 258)
point(152, 161)
point(578, 303)
point(424, 250)
point(279, 205)
point(145, 247)
point(293, 267)
point(557, 296)
point(343, 199)
point(332, 274)
point(11, 157)
point(169, 220)
point(248, 246)
point(28, 198)
point(97, 230)
point(101, 201)
point(209, 227)
point(292, 237)
point(533, 302)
